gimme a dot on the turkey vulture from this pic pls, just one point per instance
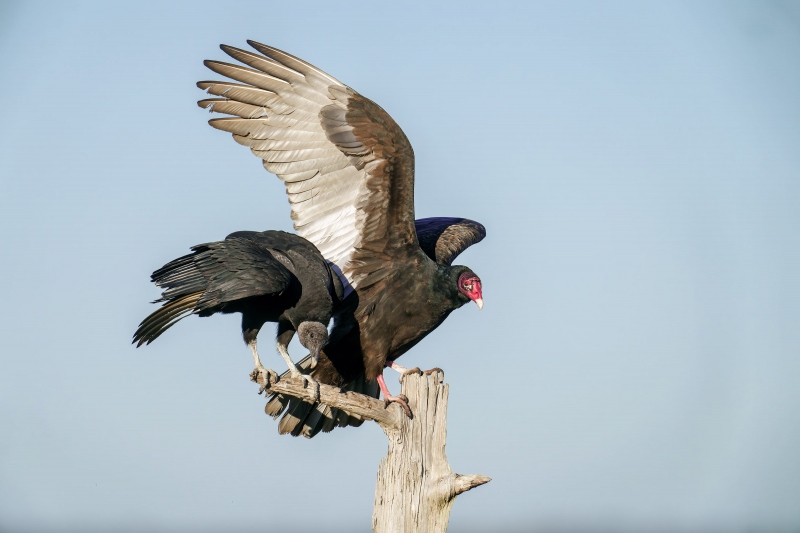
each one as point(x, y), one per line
point(349, 175)
point(271, 276)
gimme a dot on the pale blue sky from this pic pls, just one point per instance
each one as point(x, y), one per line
point(636, 165)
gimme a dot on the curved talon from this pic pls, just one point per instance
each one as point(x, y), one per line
point(402, 400)
point(308, 381)
point(269, 377)
point(435, 369)
point(415, 370)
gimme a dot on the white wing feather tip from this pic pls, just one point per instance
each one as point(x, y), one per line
point(291, 61)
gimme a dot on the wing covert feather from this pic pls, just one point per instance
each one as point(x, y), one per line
point(238, 268)
point(444, 238)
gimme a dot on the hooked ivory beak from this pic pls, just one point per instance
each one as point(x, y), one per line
point(479, 302)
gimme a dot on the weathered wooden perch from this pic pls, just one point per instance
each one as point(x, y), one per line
point(416, 487)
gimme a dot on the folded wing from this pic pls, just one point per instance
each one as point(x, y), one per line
point(212, 276)
point(444, 238)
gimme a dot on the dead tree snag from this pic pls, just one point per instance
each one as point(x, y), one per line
point(416, 487)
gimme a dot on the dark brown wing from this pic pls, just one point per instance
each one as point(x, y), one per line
point(347, 166)
point(444, 238)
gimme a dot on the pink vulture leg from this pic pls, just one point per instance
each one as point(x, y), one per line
point(395, 366)
point(404, 371)
point(388, 398)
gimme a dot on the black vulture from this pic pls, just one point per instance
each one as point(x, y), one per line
point(269, 276)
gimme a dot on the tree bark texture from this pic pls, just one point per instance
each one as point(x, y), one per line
point(416, 487)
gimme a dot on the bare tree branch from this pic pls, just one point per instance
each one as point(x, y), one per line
point(352, 402)
point(465, 483)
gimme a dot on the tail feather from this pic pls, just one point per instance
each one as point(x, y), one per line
point(165, 317)
point(184, 285)
point(168, 311)
point(330, 419)
point(183, 276)
point(276, 405)
point(304, 418)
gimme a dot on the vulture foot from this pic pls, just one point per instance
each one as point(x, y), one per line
point(402, 400)
point(308, 382)
point(435, 370)
point(270, 376)
point(405, 372)
point(401, 370)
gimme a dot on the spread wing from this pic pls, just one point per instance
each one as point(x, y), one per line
point(347, 166)
point(444, 238)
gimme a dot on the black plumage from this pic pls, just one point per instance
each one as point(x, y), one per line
point(269, 276)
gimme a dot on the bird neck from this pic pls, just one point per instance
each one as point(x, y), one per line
point(448, 283)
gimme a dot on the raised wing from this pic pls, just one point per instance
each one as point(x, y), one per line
point(444, 238)
point(347, 166)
